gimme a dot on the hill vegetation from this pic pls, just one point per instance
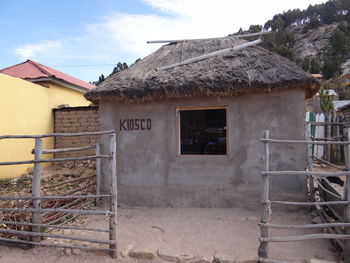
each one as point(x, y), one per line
point(287, 29)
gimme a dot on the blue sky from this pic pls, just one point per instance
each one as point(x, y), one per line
point(72, 35)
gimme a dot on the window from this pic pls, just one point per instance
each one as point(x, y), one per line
point(203, 131)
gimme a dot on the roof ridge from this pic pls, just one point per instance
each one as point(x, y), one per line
point(35, 64)
point(38, 66)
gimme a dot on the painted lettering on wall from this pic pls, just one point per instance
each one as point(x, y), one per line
point(135, 124)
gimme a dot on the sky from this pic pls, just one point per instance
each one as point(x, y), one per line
point(85, 38)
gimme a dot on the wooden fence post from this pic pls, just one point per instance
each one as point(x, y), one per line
point(347, 198)
point(113, 192)
point(36, 216)
point(328, 135)
point(98, 174)
point(265, 206)
point(311, 190)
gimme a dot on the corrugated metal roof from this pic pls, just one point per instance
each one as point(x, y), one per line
point(34, 71)
point(341, 104)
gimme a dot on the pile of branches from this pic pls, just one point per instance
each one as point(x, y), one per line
point(58, 184)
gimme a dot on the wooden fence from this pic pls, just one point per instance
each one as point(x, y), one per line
point(36, 233)
point(266, 203)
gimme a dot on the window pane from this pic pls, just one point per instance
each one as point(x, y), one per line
point(203, 131)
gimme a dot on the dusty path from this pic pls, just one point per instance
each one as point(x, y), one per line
point(225, 233)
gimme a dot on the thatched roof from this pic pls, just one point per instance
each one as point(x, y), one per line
point(250, 69)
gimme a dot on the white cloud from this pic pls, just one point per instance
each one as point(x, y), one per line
point(43, 49)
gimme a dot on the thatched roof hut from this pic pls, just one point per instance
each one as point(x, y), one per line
point(183, 136)
point(250, 69)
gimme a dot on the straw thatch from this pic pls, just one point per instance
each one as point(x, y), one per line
point(250, 69)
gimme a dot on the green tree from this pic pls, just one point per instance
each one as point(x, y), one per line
point(328, 12)
point(330, 67)
point(277, 24)
point(340, 42)
point(268, 25)
point(305, 64)
point(315, 66)
point(240, 31)
point(137, 60)
point(255, 28)
point(101, 78)
point(120, 67)
point(314, 21)
point(285, 52)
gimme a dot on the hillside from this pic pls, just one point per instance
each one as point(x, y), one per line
point(317, 38)
point(313, 42)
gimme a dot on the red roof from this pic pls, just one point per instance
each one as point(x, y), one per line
point(33, 71)
point(319, 76)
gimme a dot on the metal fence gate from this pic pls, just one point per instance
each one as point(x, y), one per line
point(35, 228)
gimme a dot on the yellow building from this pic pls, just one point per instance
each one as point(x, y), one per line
point(26, 108)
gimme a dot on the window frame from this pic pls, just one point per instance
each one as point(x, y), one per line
point(178, 129)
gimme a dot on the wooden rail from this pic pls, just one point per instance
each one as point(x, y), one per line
point(55, 135)
point(52, 197)
point(231, 36)
point(83, 158)
point(68, 211)
point(266, 260)
point(307, 226)
point(11, 240)
point(273, 173)
point(39, 235)
point(304, 142)
point(304, 237)
point(310, 203)
point(54, 226)
point(69, 149)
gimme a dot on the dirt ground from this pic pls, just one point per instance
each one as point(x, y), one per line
point(185, 232)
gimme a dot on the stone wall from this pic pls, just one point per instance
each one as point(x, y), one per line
point(73, 120)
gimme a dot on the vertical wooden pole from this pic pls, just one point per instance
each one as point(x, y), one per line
point(311, 192)
point(98, 175)
point(347, 198)
point(113, 192)
point(36, 187)
point(337, 134)
point(328, 136)
point(265, 206)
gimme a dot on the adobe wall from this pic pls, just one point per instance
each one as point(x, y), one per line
point(73, 120)
point(345, 113)
point(152, 173)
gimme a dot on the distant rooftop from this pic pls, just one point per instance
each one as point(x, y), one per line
point(339, 104)
point(317, 76)
point(36, 72)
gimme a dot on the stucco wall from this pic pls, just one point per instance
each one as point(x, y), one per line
point(151, 173)
point(26, 108)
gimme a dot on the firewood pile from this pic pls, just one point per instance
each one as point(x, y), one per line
point(58, 184)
